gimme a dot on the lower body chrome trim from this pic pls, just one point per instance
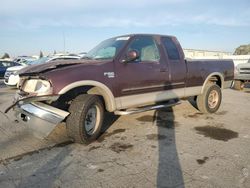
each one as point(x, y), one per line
point(155, 97)
point(147, 108)
point(18, 100)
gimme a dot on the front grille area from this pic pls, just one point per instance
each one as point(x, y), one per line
point(247, 69)
point(7, 74)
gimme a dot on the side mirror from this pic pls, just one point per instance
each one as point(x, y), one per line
point(131, 56)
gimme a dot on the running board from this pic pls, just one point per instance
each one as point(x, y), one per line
point(147, 108)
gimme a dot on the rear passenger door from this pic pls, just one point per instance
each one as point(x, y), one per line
point(177, 65)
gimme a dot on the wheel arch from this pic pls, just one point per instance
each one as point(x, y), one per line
point(215, 77)
point(94, 88)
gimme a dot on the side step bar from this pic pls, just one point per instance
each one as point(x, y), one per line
point(146, 108)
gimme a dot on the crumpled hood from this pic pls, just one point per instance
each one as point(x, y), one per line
point(44, 67)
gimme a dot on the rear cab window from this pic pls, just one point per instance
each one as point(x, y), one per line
point(171, 48)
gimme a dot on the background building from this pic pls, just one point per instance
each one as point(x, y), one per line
point(209, 54)
point(193, 53)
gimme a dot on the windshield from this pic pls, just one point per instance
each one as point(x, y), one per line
point(107, 49)
point(41, 60)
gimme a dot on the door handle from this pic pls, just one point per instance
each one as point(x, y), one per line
point(163, 70)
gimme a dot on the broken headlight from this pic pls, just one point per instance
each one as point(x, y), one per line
point(37, 86)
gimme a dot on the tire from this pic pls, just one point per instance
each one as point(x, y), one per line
point(238, 85)
point(209, 101)
point(86, 118)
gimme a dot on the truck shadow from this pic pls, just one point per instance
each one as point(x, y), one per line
point(169, 169)
point(109, 120)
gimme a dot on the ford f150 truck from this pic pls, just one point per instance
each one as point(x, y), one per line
point(125, 75)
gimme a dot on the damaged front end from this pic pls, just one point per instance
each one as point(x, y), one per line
point(33, 106)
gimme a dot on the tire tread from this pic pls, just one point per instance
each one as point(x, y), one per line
point(201, 100)
point(77, 109)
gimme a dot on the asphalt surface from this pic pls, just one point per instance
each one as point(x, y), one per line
point(173, 147)
point(2, 83)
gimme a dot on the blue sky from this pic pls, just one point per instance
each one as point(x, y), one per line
point(28, 26)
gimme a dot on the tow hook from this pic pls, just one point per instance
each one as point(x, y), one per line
point(25, 118)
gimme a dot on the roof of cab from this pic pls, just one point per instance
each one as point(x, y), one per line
point(144, 34)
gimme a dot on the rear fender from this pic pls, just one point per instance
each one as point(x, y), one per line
point(208, 79)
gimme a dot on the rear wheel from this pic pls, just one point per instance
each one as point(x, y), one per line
point(238, 85)
point(85, 120)
point(209, 101)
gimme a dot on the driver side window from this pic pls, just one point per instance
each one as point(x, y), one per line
point(146, 47)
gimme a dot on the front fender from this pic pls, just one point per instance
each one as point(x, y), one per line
point(98, 89)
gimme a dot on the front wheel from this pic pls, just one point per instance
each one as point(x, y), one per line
point(209, 101)
point(85, 120)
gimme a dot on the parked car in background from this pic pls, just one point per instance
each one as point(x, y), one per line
point(11, 77)
point(5, 64)
point(25, 59)
point(241, 75)
point(82, 54)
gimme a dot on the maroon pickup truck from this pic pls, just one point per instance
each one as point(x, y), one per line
point(126, 74)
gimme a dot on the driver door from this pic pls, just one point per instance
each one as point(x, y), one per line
point(141, 80)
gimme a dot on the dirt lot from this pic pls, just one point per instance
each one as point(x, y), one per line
point(174, 147)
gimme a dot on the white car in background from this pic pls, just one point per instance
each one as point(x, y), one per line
point(11, 77)
point(25, 59)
